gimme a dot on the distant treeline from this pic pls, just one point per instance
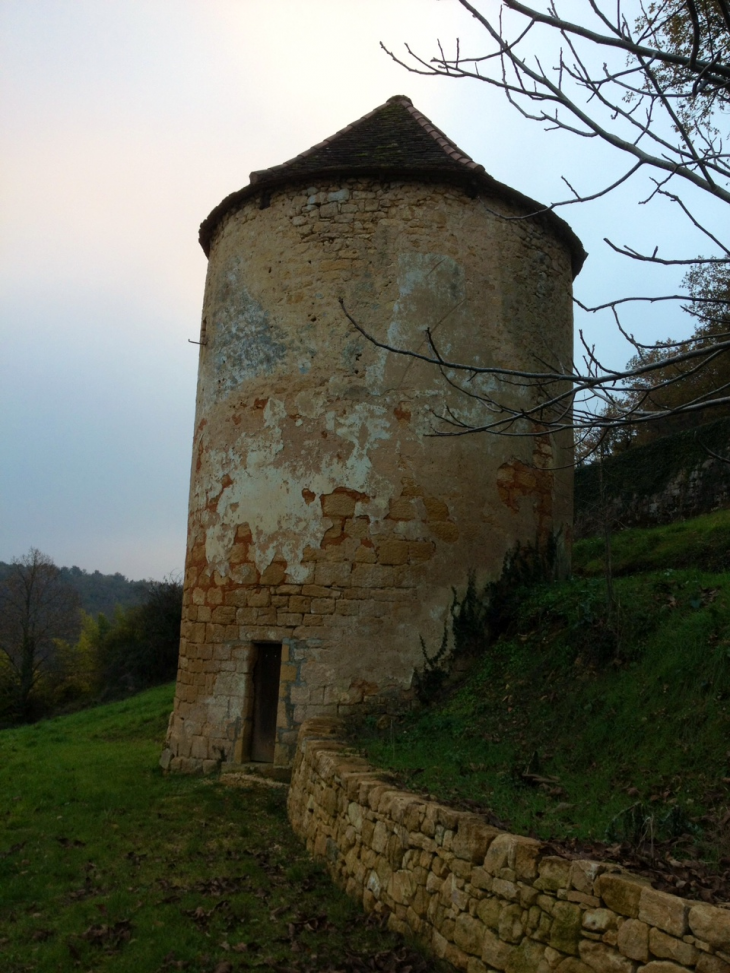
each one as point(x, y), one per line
point(98, 593)
point(69, 638)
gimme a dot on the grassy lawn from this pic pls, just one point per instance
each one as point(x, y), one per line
point(106, 864)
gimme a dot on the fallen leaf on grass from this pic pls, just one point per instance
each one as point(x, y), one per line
point(244, 947)
point(89, 892)
point(538, 779)
point(200, 916)
point(13, 849)
point(109, 934)
point(169, 962)
point(318, 923)
point(222, 886)
point(109, 937)
point(399, 960)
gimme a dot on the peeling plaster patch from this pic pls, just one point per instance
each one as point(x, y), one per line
point(274, 413)
point(352, 354)
point(285, 523)
point(471, 411)
point(431, 287)
point(362, 427)
point(440, 615)
point(310, 402)
point(244, 341)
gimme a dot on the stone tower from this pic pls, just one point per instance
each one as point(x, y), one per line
point(327, 524)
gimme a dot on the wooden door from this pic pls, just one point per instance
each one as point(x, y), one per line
point(265, 701)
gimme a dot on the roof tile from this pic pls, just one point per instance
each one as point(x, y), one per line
point(393, 136)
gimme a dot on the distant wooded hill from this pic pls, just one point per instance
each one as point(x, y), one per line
point(98, 592)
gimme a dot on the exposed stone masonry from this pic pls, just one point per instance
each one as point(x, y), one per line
point(322, 515)
point(483, 899)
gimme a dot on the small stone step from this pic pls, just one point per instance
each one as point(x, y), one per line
point(270, 771)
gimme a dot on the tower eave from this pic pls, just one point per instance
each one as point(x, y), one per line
point(475, 182)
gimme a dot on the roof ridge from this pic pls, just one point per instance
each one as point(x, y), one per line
point(450, 147)
point(259, 173)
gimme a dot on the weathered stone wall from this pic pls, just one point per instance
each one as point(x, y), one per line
point(670, 479)
point(323, 514)
point(483, 899)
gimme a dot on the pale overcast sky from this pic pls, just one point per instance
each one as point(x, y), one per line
point(123, 123)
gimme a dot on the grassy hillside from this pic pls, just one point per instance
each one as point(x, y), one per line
point(106, 864)
point(703, 543)
point(565, 728)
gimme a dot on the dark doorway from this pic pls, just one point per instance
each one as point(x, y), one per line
point(265, 701)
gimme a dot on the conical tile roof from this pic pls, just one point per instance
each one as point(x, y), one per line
point(394, 140)
point(394, 136)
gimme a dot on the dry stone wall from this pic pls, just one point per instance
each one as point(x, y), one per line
point(664, 481)
point(486, 900)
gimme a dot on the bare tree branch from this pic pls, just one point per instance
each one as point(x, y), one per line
point(658, 100)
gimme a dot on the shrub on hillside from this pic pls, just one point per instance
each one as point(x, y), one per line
point(139, 646)
point(478, 618)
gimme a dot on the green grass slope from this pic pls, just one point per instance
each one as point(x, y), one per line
point(703, 542)
point(564, 731)
point(108, 865)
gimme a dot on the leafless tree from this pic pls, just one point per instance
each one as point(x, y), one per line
point(652, 80)
point(36, 609)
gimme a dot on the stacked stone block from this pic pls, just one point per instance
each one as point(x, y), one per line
point(483, 899)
